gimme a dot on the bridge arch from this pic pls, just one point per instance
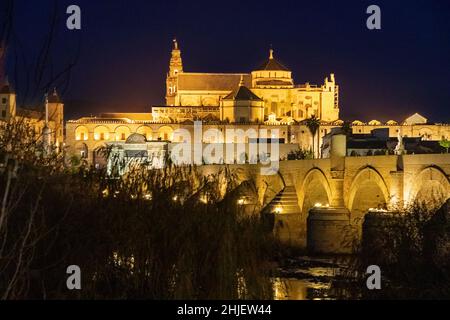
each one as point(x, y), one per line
point(368, 190)
point(431, 188)
point(315, 189)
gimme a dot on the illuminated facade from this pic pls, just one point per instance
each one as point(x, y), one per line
point(270, 87)
point(265, 100)
point(34, 118)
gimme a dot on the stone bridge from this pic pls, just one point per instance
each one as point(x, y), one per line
point(342, 189)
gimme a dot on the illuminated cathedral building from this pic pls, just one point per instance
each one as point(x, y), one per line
point(244, 97)
point(266, 100)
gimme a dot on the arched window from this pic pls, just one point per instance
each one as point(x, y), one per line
point(101, 133)
point(81, 133)
point(122, 133)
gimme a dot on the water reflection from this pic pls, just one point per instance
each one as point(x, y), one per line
point(298, 289)
point(311, 278)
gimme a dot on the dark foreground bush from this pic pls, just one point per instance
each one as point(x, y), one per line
point(167, 234)
point(411, 248)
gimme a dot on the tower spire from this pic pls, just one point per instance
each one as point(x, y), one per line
point(271, 53)
point(176, 63)
point(175, 68)
point(241, 82)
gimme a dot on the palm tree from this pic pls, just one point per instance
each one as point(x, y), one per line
point(313, 125)
point(444, 143)
point(346, 128)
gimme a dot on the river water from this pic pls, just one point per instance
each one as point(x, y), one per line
point(314, 278)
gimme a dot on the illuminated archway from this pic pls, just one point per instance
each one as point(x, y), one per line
point(315, 190)
point(101, 133)
point(81, 133)
point(145, 131)
point(122, 133)
point(165, 133)
point(426, 133)
point(368, 190)
point(431, 188)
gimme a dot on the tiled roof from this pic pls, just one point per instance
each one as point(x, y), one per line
point(242, 94)
point(272, 65)
point(6, 88)
point(211, 81)
point(30, 113)
point(54, 97)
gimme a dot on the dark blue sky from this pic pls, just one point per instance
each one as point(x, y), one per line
point(125, 48)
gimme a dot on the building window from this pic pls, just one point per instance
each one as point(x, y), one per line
point(82, 136)
point(102, 136)
point(273, 107)
point(122, 137)
point(4, 100)
point(3, 113)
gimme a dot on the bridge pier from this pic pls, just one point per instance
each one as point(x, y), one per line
point(329, 231)
point(329, 228)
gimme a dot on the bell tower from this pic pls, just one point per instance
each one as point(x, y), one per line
point(55, 113)
point(175, 67)
point(7, 94)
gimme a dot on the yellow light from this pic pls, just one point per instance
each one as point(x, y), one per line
point(175, 198)
point(377, 210)
point(148, 196)
point(203, 199)
point(240, 202)
point(318, 205)
point(278, 210)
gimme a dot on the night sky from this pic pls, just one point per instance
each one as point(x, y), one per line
point(124, 47)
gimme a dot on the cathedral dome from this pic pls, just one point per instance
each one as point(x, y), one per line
point(136, 138)
point(272, 74)
point(272, 64)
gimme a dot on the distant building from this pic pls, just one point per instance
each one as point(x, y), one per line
point(36, 119)
point(265, 100)
point(269, 89)
point(379, 142)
